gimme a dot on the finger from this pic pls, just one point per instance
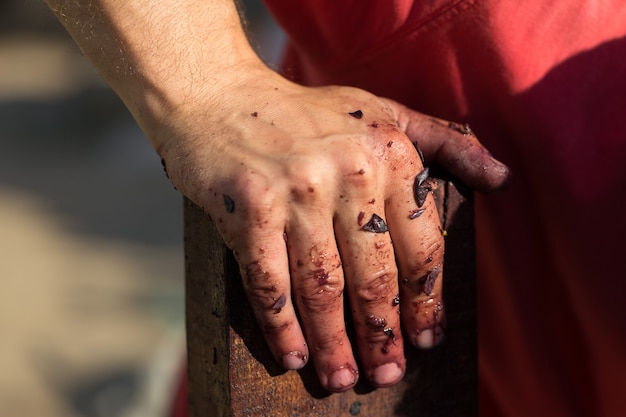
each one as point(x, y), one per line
point(372, 284)
point(453, 147)
point(256, 236)
point(415, 229)
point(318, 283)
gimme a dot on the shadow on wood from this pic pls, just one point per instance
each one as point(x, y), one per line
point(232, 373)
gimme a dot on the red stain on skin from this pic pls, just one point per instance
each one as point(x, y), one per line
point(360, 218)
point(280, 303)
point(318, 256)
point(254, 272)
point(271, 330)
point(377, 322)
point(321, 276)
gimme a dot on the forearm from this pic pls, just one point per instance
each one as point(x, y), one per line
point(159, 54)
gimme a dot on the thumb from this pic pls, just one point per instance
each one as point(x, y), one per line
point(452, 147)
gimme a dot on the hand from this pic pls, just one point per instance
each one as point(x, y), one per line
point(294, 178)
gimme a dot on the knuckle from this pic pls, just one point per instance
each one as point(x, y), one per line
point(263, 292)
point(274, 328)
point(401, 146)
point(309, 181)
point(320, 284)
point(401, 152)
point(425, 269)
point(327, 298)
point(266, 297)
point(380, 333)
point(361, 173)
point(258, 197)
point(328, 341)
point(255, 275)
point(380, 336)
point(378, 288)
point(430, 255)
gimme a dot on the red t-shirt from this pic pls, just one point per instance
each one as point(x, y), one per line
point(543, 84)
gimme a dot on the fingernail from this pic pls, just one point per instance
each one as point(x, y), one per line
point(342, 379)
point(294, 360)
point(429, 338)
point(387, 374)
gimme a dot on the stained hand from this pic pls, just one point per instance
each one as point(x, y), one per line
point(314, 190)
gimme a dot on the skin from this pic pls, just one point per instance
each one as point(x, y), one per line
point(299, 170)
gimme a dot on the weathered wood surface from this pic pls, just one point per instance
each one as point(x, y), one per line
point(232, 373)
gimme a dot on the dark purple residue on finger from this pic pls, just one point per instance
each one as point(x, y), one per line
point(376, 225)
point(321, 276)
point(358, 114)
point(396, 300)
point(280, 303)
point(360, 218)
point(422, 176)
point(421, 187)
point(229, 204)
point(416, 213)
point(429, 280)
point(389, 332)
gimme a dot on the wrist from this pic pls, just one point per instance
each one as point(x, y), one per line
point(175, 112)
point(163, 68)
point(162, 57)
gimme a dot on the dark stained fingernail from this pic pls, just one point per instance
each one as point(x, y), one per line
point(386, 375)
point(294, 360)
point(342, 379)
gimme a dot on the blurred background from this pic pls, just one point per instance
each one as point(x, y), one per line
point(91, 256)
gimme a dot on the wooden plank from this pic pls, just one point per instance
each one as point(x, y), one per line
point(232, 373)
